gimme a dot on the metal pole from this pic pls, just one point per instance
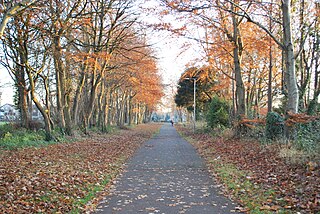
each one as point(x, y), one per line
point(194, 105)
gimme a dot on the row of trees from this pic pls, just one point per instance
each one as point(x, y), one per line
point(81, 62)
point(253, 52)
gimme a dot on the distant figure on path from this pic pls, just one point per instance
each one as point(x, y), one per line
point(171, 121)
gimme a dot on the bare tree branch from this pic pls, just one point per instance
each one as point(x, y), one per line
point(12, 12)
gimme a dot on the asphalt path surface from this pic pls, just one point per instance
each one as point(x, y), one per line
point(166, 176)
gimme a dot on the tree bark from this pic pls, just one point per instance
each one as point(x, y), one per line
point(270, 63)
point(60, 77)
point(92, 98)
point(76, 100)
point(101, 100)
point(45, 114)
point(237, 54)
point(290, 72)
point(22, 102)
point(21, 86)
point(129, 109)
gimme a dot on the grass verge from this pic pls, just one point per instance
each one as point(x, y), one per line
point(22, 138)
point(92, 192)
point(12, 138)
point(252, 197)
point(238, 184)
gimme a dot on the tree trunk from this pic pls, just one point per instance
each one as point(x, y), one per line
point(234, 105)
point(45, 114)
point(23, 107)
point(101, 101)
point(129, 109)
point(270, 80)
point(270, 62)
point(68, 91)
point(290, 73)
point(105, 110)
point(109, 106)
point(22, 97)
point(76, 100)
point(60, 77)
point(237, 54)
point(122, 109)
point(92, 98)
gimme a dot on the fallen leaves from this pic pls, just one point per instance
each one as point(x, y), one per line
point(288, 186)
point(58, 178)
point(270, 208)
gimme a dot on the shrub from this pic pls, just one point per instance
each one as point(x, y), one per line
point(12, 136)
point(4, 129)
point(308, 136)
point(36, 125)
point(217, 114)
point(274, 125)
point(23, 138)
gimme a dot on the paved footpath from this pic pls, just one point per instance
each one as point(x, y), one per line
point(166, 176)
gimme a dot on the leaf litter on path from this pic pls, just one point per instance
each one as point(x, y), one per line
point(58, 178)
point(292, 187)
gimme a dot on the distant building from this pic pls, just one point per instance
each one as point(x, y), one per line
point(36, 114)
point(8, 112)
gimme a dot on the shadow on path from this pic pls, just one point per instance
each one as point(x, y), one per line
point(166, 176)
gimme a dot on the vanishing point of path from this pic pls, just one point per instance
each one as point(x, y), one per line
point(166, 176)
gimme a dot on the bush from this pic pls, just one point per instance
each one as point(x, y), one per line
point(12, 136)
point(218, 113)
point(4, 129)
point(308, 136)
point(274, 125)
point(23, 138)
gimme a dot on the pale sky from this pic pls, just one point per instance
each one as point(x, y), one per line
point(6, 87)
point(171, 62)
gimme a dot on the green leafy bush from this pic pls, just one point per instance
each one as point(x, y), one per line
point(274, 125)
point(217, 114)
point(308, 137)
point(4, 129)
point(12, 136)
point(23, 138)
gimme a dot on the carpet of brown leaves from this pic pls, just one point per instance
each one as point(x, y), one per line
point(55, 178)
point(297, 186)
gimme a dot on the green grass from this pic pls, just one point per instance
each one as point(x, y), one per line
point(91, 194)
point(108, 129)
point(12, 137)
point(93, 190)
point(22, 139)
point(239, 184)
point(252, 196)
point(2, 123)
